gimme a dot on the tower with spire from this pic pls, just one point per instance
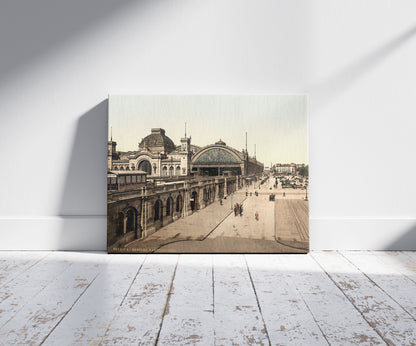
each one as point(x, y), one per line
point(111, 151)
point(186, 148)
point(185, 143)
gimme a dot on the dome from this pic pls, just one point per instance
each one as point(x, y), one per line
point(157, 141)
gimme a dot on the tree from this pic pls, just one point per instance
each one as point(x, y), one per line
point(304, 171)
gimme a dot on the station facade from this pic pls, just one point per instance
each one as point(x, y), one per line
point(161, 182)
point(161, 158)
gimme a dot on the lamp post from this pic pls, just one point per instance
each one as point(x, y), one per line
point(145, 212)
point(185, 206)
point(306, 192)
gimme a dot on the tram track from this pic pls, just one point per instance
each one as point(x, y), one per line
point(292, 220)
point(300, 223)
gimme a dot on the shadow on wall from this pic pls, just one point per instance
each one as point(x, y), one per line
point(324, 92)
point(25, 27)
point(84, 199)
point(405, 242)
point(85, 183)
point(330, 88)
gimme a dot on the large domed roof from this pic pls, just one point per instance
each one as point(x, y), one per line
point(157, 141)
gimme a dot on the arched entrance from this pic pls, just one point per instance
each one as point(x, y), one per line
point(157, 209)
point(145, 166)
point(179, 204)
point(194, 201)
point(214, 160)
point(205, 196)
point(130, 220)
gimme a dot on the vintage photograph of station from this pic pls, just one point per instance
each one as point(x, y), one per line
point(208, 174)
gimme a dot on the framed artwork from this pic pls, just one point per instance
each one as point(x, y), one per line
point(208, 174)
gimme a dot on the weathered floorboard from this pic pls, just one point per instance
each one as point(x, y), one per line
point(189, 315)
point(326, 297)
point(89, 319)
point(339, 321)
point(14, 263)
point(139, 317)
point(388, 318)
point(403, 262)
point(287, 317)
point(16, 293)
point(238, 320)
point(387, 277)
point(32, 324)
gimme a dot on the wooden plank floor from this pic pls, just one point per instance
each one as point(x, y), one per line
point(87, 298)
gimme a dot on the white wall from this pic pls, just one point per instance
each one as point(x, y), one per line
point(60, 59)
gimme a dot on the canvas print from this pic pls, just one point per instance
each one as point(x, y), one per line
point(208, 174)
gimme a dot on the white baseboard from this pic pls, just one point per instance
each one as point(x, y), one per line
point(89, 233)
point(54, 233)
point(362, 234)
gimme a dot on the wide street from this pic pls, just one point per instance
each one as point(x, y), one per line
point(282, 226)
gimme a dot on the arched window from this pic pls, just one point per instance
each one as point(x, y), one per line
point(171, 170)
point(165, 170)
point(169, 206)
point(178, 170)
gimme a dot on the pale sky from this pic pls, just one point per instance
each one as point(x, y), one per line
point(277, 124)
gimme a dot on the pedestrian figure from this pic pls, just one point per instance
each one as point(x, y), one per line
point(256, 216)
point(241, 210)
point(221, 201)
point(284, 194)
point(235, 209)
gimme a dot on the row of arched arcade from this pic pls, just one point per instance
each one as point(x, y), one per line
point(131, 218)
